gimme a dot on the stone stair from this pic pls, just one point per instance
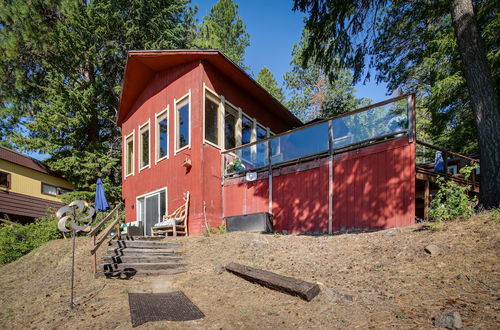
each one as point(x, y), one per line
point(141, 256)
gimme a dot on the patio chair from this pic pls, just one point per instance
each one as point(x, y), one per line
point(174, 223)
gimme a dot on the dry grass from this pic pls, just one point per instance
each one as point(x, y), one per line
point(392, 281)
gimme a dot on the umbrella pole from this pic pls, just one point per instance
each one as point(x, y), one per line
point(72, 271)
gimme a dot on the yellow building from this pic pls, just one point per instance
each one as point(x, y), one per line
point(27, 187)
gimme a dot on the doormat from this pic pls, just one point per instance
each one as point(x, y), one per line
point(171, 306)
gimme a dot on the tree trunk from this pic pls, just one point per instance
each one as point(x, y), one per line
point(483, 97)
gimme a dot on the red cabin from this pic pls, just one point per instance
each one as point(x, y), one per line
point(193, 121)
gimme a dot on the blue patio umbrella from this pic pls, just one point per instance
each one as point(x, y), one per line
point(101, 204)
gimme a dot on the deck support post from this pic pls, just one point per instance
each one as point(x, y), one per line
point(330, 177)
point(426, 200)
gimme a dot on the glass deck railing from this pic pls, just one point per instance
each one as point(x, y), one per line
point(383, 120)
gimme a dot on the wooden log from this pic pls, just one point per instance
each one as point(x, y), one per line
point(295, 287)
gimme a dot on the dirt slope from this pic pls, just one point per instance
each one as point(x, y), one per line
point(369, 280)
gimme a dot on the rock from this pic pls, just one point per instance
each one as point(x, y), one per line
point(219, 269)
point(432, 249)
point(391, 232)
point(448, 321)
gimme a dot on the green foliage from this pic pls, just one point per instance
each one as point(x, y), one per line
point(60, 77)
point(266, 79)
point(312, 94)
point(451, 201)
point(222, 228)
point(224, 30)
point(16, 241)
point(412, 46)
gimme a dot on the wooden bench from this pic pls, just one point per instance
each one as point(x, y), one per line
point(177, 227)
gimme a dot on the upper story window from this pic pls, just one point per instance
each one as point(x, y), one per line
point(246, 130)
point(4, 180)
point(129, 155)
point(49, 189)
point(261, 133)
point(162, 135)
point(182, 118)
point(212, 119)
point(144, 141)
point(230, 122)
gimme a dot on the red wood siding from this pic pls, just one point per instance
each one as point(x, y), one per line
point(169, 173)
point(203, 180)
point(373, 188)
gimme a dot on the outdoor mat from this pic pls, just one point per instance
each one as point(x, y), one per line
point(171, 306)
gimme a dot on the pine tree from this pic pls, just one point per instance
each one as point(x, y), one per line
point(61, 73)
point(398, 37)
point(266, 79)
point(224, 30)
point(312, 93)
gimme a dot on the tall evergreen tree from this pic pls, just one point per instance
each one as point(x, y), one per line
point(399, 37)
point(266, 79)
point(312, 93)
point(224, 30)
point(61, 72)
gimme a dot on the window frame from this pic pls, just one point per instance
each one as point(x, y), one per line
point(125, 158)
point(50, 185)
point(185, 97)
point(142, 128)
point(9, 178)
point(160, 116)
point(217, 99)
point(148, 194)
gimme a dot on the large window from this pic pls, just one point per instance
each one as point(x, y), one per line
point(144, 146)
point(129, 155)
point(246, 130)
point(230, 120)
point(182, 121)
point(4, 180)
point(229, 128)
point(162, 135)
point(211, 119)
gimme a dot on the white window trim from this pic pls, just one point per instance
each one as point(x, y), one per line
point(146, 195)
point(132, 172)
point(165, 113)
point(217, 99)
point(176, 130)
point(139, 146)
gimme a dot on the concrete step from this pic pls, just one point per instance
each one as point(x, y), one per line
point(145, 244)
point(130, 273)
point(142, 238)
point(139, 259)
point(133, 266)
point(142, 252)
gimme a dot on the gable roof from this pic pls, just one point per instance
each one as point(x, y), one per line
point(142, 65)
point(23, 160)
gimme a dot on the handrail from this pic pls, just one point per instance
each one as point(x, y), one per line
point(425, 144)
point(103, 221)
point(319, 122)
point(106, 232)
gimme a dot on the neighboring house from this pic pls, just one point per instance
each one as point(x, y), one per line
point(27, 187)
point(192, 120)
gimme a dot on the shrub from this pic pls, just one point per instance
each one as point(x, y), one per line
point(451, 201)
point(16, 241)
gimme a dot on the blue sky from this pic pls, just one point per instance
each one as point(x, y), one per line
point(273, 29)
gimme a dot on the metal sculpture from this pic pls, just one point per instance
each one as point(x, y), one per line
point(74, 217)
